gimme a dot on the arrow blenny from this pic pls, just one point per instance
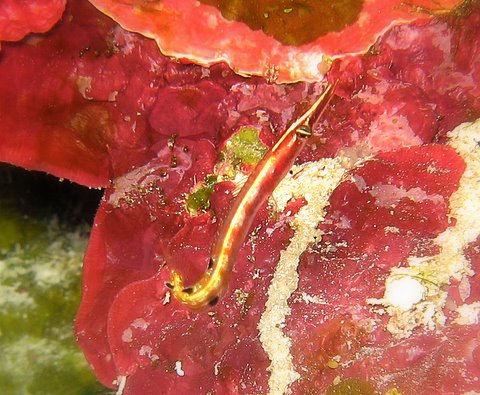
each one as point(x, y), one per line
point(265, 177)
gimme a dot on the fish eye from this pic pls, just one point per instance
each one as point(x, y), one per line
point(210, 263)
point(303, 131)
point(213, 301)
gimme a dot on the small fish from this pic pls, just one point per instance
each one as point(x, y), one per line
point(265, 177)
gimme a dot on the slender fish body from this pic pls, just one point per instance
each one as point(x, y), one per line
point(265, 177)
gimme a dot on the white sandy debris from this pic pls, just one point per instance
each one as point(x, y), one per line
point(434, 273)
point(468, 314)
point(315, 182)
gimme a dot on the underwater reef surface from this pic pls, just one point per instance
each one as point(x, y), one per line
point(44, 232)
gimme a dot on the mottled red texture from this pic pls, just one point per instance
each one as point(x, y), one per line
point(101, 106)
point(351, 264)
point(21, 17)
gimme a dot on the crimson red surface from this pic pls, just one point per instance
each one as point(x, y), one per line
point(96, 104)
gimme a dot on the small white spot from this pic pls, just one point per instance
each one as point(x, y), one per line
point(404, 292)
point(391, 229)
point(312, 299)
point(464, 288)
point(166, 300)
point(212, 21)
point(127, 335)
point(205, 73)
point(179, 369)
point(468, 314)
point(112, 96)
point(84, 85)
point(140, 323)
point(256, 274)
point(145, 350)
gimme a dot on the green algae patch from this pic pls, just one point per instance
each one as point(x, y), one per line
point(393, 391)
point(41, 258)
point(245, 147)
point(39, 295)
point(15, 227)
point(199, 200)
point(351, 387)
point(20, 372)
